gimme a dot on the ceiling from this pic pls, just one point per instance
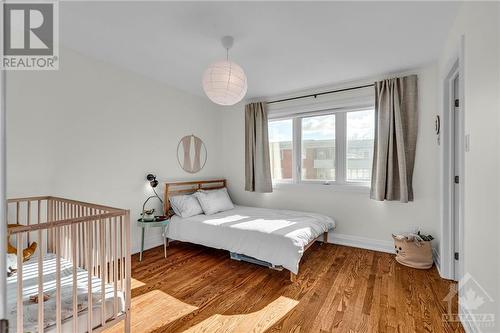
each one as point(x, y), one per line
point(282, 46)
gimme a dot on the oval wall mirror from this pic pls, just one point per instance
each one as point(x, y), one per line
point(191, 153)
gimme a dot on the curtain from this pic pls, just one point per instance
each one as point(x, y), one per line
point(257, 164)
point(396, 125)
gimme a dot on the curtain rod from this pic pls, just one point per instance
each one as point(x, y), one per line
point(319, 94)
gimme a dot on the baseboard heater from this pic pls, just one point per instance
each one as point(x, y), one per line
point(242, 257)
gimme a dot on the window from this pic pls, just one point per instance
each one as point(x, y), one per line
point(318, 148)
point(327, 147)
point(360, 130)
point(280, 149)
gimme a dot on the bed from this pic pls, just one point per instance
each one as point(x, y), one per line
point(278, 237)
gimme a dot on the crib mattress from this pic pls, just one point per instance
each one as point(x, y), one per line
point(30, 288)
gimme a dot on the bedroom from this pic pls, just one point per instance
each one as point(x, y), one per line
point(128, 99)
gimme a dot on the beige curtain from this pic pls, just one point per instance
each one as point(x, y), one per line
point(396, 125)
point(257, 164)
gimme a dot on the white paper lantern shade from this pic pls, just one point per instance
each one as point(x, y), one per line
point(225, 83)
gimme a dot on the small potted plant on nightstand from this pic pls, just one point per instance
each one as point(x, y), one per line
point(148, 215)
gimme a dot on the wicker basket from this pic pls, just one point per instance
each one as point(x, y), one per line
point(412, 253)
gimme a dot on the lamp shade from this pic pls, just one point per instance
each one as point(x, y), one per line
point(225, 83)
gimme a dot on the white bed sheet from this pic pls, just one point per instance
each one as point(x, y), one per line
point(272, 235)
point(30, 287)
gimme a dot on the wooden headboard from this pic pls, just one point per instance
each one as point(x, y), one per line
point(179, 188)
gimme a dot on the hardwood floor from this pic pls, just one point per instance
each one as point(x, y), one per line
point(339, 289)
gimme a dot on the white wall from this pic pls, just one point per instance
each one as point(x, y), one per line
point(30, 159)
point(92, 131)
point(355, 213)
point(478, 23)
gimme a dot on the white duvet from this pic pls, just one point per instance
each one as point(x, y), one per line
point(272, 235)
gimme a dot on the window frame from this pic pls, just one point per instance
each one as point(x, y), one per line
point(340, 148)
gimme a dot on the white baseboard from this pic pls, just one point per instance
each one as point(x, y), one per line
point(469, 326)
point(372, 244)
point(437, 261)
point(361, 242)
point(149, 243)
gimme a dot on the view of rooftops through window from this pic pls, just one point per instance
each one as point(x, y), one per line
point(280, 148)
point(360, 133)
point(318, 147)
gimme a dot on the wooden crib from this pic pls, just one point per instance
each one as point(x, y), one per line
point(81, 265)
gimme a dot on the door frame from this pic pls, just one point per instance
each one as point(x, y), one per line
point(3, 190)
point(451, 269)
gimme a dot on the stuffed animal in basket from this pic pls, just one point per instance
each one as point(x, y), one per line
point(413, 250)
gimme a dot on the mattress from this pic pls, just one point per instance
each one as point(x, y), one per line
point(30, 288)
point(272, 235)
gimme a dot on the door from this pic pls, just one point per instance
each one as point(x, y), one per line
point(458, 179)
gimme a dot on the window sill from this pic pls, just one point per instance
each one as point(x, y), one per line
point(353, 187)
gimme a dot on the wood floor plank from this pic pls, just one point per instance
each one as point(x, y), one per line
point(338, 289)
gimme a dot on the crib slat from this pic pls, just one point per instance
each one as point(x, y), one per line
point(40, 279)
point(103, 271)
point(28, 219)
point(75, 286)
point(77, 239)
point(128, 273)
point(63, 231)
point(115, 268)
point(58, 280)
point(89, 276)
point(122, 286)
point(48, 213)
point(83, 230)
point(83, 256)
point(20, 315)
point(17, 212)
point(39, 213)
point(110, 250)
point(66, 232)
point(95, 252)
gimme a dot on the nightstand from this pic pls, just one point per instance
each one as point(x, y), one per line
point(154, 224)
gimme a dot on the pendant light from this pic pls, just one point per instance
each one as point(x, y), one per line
point(225, 82)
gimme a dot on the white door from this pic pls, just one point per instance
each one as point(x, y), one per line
point(457, 176)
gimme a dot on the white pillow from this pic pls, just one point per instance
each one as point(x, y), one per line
point(214, 201)
point(185, 205)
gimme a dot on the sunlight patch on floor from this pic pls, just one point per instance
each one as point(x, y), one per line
point(254, 322)
point(136, 283)
point(153, 310)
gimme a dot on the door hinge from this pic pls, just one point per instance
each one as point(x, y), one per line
point(4, 326)
point(457, 103)
point(457, 179)
point(456, 256)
